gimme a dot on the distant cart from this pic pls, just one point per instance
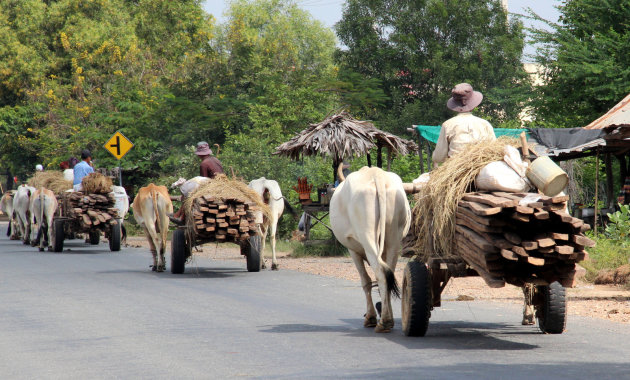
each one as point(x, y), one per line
point(533, 245)
point(89, 214)
point(219, 220)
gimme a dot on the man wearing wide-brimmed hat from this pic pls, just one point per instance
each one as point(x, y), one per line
point(210, 166)
point(464, 128)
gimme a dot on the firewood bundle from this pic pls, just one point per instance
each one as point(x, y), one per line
point(92, 210)
point(507, 238)
point(224, 219)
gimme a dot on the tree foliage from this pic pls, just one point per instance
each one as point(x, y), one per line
point(420, 49)
point(586, 57)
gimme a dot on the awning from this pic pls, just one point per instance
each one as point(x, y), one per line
point(432, 132)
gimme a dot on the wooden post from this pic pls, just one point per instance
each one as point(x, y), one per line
point(389, 159)
point(596, 191)
point(369, 160)
point(420, 155)
point(429, 156)
point(379, 156)
point(609, 181)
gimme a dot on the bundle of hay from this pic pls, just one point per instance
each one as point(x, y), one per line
point(51, 180)
point(224, 209)
point(96, 183)
point(436, 203)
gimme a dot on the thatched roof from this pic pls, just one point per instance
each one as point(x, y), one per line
point(340, 136)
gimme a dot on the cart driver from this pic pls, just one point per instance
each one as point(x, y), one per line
point(82, 169)
point(464, 128)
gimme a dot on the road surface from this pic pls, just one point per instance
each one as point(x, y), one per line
point(90, 313)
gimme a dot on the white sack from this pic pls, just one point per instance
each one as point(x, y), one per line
point(499, 176)
point(422, 180)
point(513, 159)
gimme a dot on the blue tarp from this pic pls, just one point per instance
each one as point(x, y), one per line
point(432, 132)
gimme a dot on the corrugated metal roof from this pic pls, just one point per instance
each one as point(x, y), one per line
point(619, 115)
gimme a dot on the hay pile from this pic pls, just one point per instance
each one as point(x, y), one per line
point(52, 180)
point(436, 203)
point(96, 183)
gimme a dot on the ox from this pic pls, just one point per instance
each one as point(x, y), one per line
point(21, 208)
point(370, 215)
point(150, 207)
point(6, 206)
point(43, 206)
point(189, 186)
point(122, 205)
point(270, 192)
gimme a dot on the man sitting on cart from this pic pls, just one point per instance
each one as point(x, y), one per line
point(209, 167)
point(82, 169)
point(464, 128)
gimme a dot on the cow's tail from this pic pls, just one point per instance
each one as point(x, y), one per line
point(381, 230)
point(154, 195)
point(40, 222)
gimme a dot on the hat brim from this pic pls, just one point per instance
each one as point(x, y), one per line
point(457, 106)
point(204, 152)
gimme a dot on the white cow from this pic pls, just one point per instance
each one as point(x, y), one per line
point(270, 192)
point(122, 205)
point(6, 206)
point(150, 207)
point(370, 215)
point(21, 208)
point(43, 206)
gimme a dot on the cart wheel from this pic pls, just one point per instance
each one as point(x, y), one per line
point(178, 252)
point(57, 235)
point(95, 237)
point(114, 238)
point(417, 299)
point(252, 249)
point(552, 311)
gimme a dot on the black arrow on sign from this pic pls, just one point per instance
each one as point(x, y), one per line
point(117, 145)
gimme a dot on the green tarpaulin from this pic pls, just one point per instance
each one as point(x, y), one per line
point(432, 132)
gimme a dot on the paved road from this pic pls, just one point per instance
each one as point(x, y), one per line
point(90, 313)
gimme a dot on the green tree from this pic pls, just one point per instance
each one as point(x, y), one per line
point(420, 49)
point(586, 60)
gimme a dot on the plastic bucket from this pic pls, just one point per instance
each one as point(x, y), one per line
point(547, 176)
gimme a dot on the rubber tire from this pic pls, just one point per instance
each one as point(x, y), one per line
point(58, 235)
point(552, 313)
point(114, 238)
point(95, 237)
point(178, 252)
point(253, 256)
point(417, 299)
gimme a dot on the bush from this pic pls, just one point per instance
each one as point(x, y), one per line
point(619, 224)
point(607, 255)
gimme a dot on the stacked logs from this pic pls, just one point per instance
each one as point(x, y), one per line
point(507, 238)
point(91, 210)
point(224, 219)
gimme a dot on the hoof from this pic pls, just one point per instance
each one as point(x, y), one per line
point(274, 266)
point(381, 329)
point(41, 249)
point(153, 268)
point(384, 327)
point(369, 322)
point(528, 321)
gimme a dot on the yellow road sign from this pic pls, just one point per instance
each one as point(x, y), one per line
point(118, 145)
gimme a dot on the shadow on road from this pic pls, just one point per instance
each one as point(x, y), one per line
point(460, 335)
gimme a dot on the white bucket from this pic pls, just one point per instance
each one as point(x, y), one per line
point(547, 176)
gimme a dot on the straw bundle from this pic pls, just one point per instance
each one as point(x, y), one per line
point(51, 180)
point(96, 183)
point(436, 203)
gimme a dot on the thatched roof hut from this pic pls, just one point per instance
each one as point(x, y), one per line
point(340, 136)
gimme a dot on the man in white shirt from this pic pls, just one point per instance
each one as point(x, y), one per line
point(464, 128)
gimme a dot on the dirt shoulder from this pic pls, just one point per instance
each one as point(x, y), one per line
point(595, 301)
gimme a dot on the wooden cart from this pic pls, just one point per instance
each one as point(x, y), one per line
point(219, 220)
point(67, 224)
point(533, 245)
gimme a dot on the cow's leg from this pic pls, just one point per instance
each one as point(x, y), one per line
point(152, 247)
point(164, 223)
point(264, 231)
point(366, 284)
point(390, 256)
point(528, 308)
point(272, 239)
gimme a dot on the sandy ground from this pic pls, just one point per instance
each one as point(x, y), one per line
point(595, 301)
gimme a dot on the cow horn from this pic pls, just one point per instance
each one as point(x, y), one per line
point(411, 188)
point(340, 172)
